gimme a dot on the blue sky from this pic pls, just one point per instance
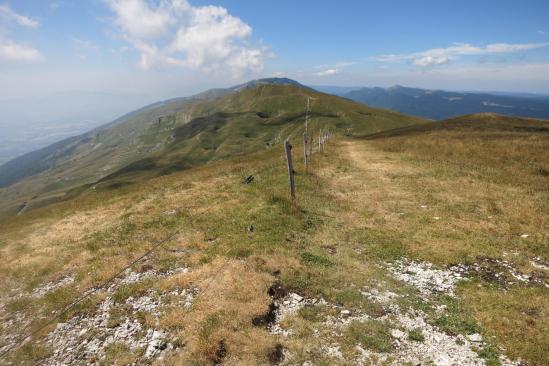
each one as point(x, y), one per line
point(167, 48)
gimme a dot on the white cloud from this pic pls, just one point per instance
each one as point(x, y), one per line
point(175, 33)
point(337, 65)
point(542, 32)
point(17, 52)
point(439, 56)
point(7, 13)
point(14, 51)
point(431, 61)
point(327, 72)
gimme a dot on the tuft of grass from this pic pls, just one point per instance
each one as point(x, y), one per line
point(456, 319)
point(209, 325)
point(315, 260)
point(490, 355)
point(19, 304)
point(31, 354)
point(132, 290)
point(416, 335)
point(371, 334)
point(120, 354)
point(312, 313)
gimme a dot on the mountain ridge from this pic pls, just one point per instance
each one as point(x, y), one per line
point(438, 104)
point(183, 132)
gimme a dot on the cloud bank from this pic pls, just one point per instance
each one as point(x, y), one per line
point(175, 33)
point(440, 56)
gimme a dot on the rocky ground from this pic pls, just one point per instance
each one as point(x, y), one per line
point(118, 322)
point(414, 340)
point(86, 338)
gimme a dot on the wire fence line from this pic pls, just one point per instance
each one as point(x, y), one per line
point(86, 294)
point(308, 152)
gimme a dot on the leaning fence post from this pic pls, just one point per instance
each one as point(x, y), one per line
point(288, 149)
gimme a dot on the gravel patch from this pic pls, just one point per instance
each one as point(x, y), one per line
point(84, 339)
point(287, 306)
point(51, 286)
point(425, 277)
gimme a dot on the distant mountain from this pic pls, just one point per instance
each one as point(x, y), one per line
point(181, 133)
point(439, 104)
point(336, 90)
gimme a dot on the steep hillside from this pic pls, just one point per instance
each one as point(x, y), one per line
point(438, 104)
point(181, 133)
point(421, 248)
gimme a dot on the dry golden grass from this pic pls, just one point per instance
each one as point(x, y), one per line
point(482, 190)
point(517, 319)
point(361, 205)
point(231, 293)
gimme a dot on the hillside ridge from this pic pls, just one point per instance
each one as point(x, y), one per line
point(174, 135)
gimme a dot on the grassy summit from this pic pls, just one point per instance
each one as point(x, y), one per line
point(182, 133)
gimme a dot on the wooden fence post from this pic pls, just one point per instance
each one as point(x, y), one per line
point(305, 138)
point(288, 149)
point(319, 140)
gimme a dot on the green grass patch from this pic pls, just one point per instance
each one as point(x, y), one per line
point(371, 334)
point(311, 259)
point(31, 354)
point(312, 313)
point(456, 319)
point(209, 326)
point(19, 304)
point(416, 335)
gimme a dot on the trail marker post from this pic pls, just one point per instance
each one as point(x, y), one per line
point(288, 150)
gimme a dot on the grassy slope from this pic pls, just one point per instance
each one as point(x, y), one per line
point(191, 133)
point(487, 176)
point(359, 207)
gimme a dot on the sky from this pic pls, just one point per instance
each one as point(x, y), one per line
point(114, 55)
point(165, 48)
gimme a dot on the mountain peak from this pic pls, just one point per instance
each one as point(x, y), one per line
point(268, 81)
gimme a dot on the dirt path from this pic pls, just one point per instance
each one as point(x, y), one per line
point(365, 179)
